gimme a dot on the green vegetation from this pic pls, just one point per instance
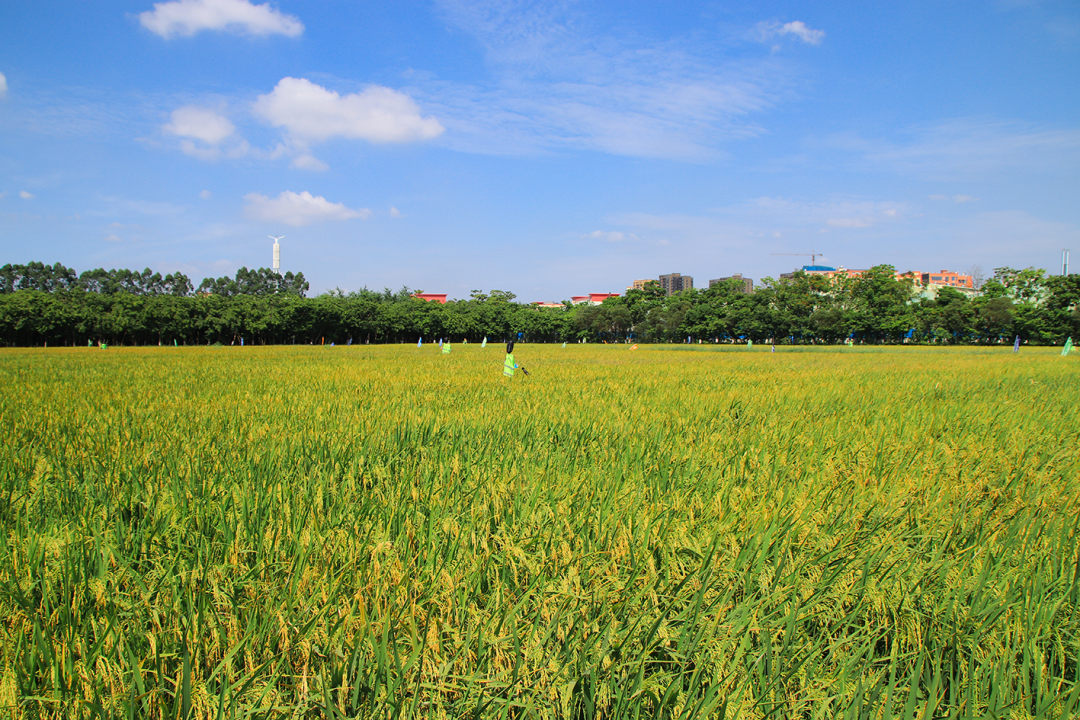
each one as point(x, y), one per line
point(51, 305)
point(663, 532)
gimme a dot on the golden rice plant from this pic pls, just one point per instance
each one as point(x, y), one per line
point(674, 532)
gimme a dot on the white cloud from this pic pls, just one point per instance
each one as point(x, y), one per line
point(309, 162)
point(203, 131)
point(201, 124)
point(610, 236)
point(3, 85)
point(310, 112)
point(298, 209)
point(113, 238)
point(394, 212)
point(205, 195)
point(26, 196)
point(187, 17)
point(3, 194)
point(798, 28)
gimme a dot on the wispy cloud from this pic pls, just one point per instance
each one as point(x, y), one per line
point(968, 146)
point(186, 17)
point(26, 195)
point(309, 162)
point(748, 231)
point(121, 207)
point(768, 30)
point(612, 236)
point(841, 212)
point(556, 85)
point(954, 198)
point(3, 86)
point(298, 209)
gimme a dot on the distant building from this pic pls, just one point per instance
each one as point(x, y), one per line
point(547, 305)
point(747, 283)
point(591, 298)
point(640, 284)
point(816, 270)
point(432, 297)
point(949, 279)
point(674, 282)
point(839, 272)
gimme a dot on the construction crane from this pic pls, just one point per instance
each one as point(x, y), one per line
point(812, 255)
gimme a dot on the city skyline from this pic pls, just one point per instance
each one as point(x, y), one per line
point(544, 149)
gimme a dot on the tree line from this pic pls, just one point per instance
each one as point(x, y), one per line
point(52, 305)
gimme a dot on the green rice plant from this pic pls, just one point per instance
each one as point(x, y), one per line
point(667, 532)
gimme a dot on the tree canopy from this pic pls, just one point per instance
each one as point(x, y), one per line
point(52, 304)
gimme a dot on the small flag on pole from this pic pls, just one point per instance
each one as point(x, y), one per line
point(420, 342)
point(440, 342)
point(1016, 344)
point(484, 344)
point(1068, 346)
point(564, 346)
point(749, 344)
point(634, 346)
point(774, 347)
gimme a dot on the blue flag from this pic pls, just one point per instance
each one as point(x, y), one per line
point(1016, 344)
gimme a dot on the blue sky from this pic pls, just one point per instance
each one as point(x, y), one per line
point(546, 148)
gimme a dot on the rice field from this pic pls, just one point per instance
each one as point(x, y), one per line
point(670, 532)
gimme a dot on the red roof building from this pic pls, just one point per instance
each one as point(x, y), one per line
point(432, 297)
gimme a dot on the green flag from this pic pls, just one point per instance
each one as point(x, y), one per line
point(484, 344)
point(1068, 346)
point(749, 344)
point(564, 346)
point(508, 365)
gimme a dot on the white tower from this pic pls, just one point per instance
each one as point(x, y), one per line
point(277, 254)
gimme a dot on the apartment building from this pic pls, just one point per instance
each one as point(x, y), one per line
point(747, 283)
point(674, 282)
